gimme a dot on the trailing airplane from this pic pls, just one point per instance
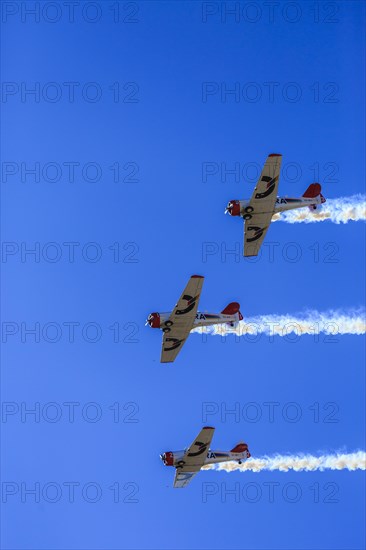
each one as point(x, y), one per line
point(258, 211)
point(177, 324)
point(189, 461)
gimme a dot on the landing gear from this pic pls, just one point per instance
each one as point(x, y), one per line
point(239, 462)
point(247, 216)
point(166, 329)
point(168, 324)
point(248, 209)
point(180, 464)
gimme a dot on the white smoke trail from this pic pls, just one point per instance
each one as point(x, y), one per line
point(311, 322)
point(341, 210)
point(296, 463)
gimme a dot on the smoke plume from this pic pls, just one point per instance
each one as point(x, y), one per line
point(312, 322)
point(296, 463)
point(341, 210)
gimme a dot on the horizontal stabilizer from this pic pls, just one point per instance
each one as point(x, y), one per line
point(312, 191)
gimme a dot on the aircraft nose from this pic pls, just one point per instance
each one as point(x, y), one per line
point(153, 320)
point(228, 208)
point(233, 208)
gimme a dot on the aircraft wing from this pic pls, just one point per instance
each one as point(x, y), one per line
point(261, 206)
point(265, 192)
point(180, 323)
point(197, 451)
point(194, 457)
point(182, 479)
point(255, 230)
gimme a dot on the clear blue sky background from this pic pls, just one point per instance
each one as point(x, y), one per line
point(169, 213)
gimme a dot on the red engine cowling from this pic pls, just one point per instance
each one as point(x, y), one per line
point(233, 208)
point(154, 320)
point(168, 458)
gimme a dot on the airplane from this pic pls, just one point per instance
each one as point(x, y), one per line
point(177, 324)
point(189, 461)
point(264, 203)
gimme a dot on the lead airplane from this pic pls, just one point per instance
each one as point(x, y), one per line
point(190, 461)
point(257, 212)
point(177, 324)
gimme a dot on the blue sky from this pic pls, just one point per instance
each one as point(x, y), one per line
point(162, 129)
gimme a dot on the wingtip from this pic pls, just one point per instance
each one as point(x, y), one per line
point(197, 277)
point(275, 155)
point(208, 428)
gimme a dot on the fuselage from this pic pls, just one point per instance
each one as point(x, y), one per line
point(159, 320)
point(238, 207)
point(205, 319)
point(176, 458)
point(286, 203)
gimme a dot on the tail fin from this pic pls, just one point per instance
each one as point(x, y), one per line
point(314, 190)
point(240, 447)
point(232, 309)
